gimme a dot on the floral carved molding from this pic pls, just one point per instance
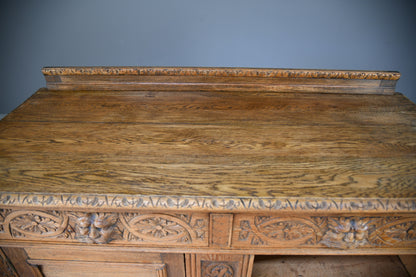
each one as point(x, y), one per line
point(211, 204)
point(333, 232)
point(102, 228)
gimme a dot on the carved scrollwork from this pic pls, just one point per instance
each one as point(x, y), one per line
point(395, 232)
point(158, 228)
point(36, 224)
point(281, 229)
point(105, 227)
point(3, 214)
point(334, 232)
point(217, 269)
point(265, 229)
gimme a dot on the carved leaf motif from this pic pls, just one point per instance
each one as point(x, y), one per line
point(158, 227)
point(217, 269)
point(346, 232)
point(96, 227)
point(284, 229)
point(3, 213)
point(245, 230)
point(35, 224)
point(199, 228)
point(394, 233)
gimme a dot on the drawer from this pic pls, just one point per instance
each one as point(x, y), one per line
point(147, 228)
point(336, 232)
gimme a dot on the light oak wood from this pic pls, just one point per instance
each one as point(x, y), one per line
point(176, 168)
point(324, 266)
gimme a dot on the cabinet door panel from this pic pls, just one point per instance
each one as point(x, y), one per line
point(98, 261)
point(55, 268)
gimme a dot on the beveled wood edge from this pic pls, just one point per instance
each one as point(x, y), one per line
point(209, 250)
point(223, 72)
point(207, 204)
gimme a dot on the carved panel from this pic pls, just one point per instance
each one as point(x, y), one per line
point(218, 265)
point(102, 228)
point(217, 269)
point(161, 228)
point(3, 213)
point(36, 224)
point(333, 232)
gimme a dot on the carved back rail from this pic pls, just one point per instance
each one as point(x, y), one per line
point(220, 79)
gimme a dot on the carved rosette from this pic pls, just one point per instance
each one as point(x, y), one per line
point(333, 232)
point(163, 228)
point(37, 224)
point(217, 269)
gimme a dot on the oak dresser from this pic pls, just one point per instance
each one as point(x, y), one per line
point(150, 171)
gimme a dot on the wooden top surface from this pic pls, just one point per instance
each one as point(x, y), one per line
point(229, 146)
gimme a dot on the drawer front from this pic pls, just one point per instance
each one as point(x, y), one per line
point(159, 229)
point(325, 232)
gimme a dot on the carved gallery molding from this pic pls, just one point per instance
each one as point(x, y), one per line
point(211, 204)
point(224, 72)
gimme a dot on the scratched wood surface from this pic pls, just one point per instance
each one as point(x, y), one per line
point(218, 143)
point(203, 144)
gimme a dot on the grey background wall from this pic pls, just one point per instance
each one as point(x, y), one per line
point(336, 34)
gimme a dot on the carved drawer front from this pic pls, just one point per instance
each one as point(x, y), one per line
point(106, 227)
point(337, 232)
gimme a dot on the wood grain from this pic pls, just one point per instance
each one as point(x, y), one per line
point(216, 164)
point(18, 258)
point(204, 144)
point(327, 266)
